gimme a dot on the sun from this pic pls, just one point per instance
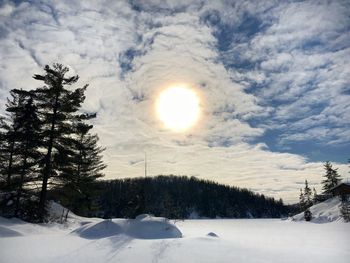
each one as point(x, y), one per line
point(178, 107)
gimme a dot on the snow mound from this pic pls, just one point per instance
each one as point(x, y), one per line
point(142, 227)
point(148, 227)
point(327, 211)
point(212, 234)
point(102, 229)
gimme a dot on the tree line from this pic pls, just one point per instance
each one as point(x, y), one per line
point(179, 197)
point(46, 143)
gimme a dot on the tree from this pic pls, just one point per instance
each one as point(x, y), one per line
point(9, 127)
point(8, 131)
point(345, 210)
point(82, 167)
point(26, 150)
point(332, 178)
point(307, 215)
point(19, 149)
point(307, 195)
point(57, 108)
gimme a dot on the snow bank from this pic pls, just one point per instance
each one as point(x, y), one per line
point(102, 229)
point(142, 227)
point(148, 227)
point(327, 211)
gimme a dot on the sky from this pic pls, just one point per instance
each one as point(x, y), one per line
point(273, 79)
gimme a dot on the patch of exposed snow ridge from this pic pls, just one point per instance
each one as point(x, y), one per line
point(325, 212)
point(142, 227)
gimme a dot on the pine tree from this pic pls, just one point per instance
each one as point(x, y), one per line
point(9, 127)
point(332, 178)
point(26, 150)
point(307, 195)
point(9, 134)
point(18, 148)
point(307, 215)
point(58, 108)
point(82, 167)
point(345, 210)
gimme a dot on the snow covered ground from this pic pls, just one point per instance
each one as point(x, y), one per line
point(327, 211)
point(146, 239)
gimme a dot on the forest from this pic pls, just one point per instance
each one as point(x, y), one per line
point(172, 197)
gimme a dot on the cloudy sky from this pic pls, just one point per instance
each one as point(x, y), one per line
point(273, 78)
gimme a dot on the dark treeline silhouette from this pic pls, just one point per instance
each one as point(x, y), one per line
point(179, 197)
point(45, 143)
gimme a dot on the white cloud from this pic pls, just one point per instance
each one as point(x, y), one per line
point(167, 46)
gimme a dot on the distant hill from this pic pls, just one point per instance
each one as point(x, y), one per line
point(179, 197)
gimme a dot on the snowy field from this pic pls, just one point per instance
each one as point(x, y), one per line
point(147, 240)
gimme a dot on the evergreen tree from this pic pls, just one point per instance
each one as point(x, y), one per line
point(9, 135)
point(307, 215)
point(307, 195)
point(332, 178)
point(26, 150)
point(18, 149)
point(9, 127)
point(82, 167)
point(57, 106)
point(345, 210)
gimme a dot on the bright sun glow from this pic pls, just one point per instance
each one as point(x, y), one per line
point(178, 107)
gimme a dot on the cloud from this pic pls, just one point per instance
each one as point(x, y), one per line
point(300, 68)
point(256, 67)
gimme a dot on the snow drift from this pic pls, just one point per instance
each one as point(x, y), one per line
point(142, 227)
point(327, 211)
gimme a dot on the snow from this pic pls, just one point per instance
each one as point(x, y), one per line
point(143, 227)
point(327, 211)
point(152, 239)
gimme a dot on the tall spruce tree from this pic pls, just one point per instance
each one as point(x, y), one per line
point(9, 127)
point(18, 149)
point(332, 178)
point(82, 167)
point(26, 150)
point(57, 106)
point(9, 137)
point(307, 195)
